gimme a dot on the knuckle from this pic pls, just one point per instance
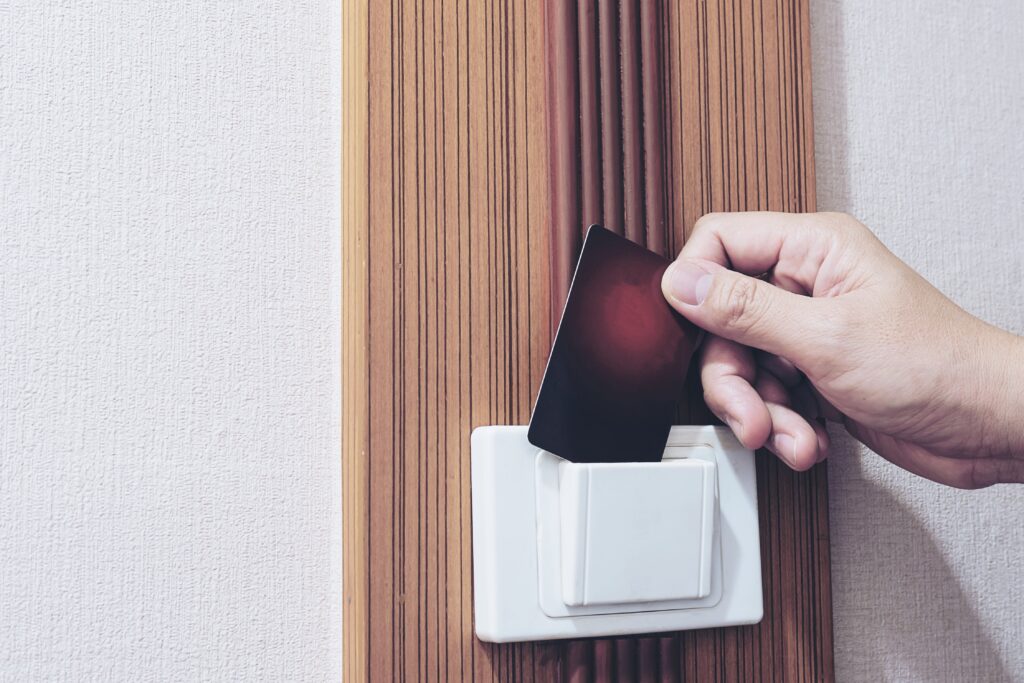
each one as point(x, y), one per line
point(712, 398)
point(833, 219)
point(706, 221)
point(843, 226)
point(836, 221)
point(738, 305)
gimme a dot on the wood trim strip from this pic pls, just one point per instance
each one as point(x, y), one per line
point(355, 516)
point(456, 251)
point(564, 155)
point(589, 116)
point(652, 18)
point(446, 321)
point(632, 122)
point(612, 216)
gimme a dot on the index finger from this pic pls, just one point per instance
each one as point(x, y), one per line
point(757, 242)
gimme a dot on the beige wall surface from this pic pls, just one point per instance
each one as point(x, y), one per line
point(169, 335)
point(919, 113)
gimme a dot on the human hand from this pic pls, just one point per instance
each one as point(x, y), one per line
point(834, 326)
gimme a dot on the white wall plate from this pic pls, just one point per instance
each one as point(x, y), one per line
point(687, 527)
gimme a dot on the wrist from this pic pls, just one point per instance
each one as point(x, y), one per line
point(1000, 395)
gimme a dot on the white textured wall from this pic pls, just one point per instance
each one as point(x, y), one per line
point(919, 113)
point(169, 340)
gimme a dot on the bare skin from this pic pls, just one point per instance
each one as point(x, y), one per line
point(810, 318)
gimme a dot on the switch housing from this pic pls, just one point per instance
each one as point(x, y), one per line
point(565, 550)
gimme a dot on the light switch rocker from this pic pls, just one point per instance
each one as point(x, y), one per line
point(568, 550)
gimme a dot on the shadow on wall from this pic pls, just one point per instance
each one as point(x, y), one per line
point(901, 614)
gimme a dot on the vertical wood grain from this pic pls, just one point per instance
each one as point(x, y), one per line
point(722, 91)
point(480, 139)
point(355, 499)
point(611, 116)
point(560, 66)
point(446, 320)
point(632, 121)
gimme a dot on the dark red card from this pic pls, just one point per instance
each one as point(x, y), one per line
point(617, 366)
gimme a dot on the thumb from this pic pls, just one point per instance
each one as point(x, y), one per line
point(744, 309)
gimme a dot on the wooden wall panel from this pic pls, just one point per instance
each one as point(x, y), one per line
point(462, 213)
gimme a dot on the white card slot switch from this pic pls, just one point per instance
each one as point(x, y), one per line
point(636, 532)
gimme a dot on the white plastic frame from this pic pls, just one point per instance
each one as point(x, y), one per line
point(506, 565)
